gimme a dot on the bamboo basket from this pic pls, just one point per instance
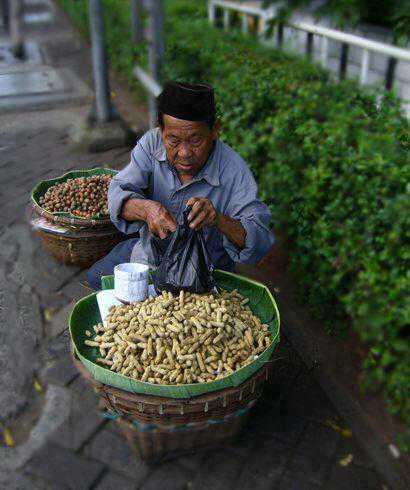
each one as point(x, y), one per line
point(81, 249)
point(64, 218)
point(164, 420)
point(159, 427)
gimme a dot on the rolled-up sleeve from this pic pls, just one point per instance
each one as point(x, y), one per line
point(131, 182)
point(254, 216)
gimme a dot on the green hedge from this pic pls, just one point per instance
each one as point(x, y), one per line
point(333, 167)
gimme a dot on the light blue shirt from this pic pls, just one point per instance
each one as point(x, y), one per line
point(225, 180)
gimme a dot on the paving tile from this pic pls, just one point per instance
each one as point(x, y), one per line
point(358, 475)
point(264, 467)
point(115, 452)
point(169, 476)
point(37, 266)
point(57, 464)
point(53, 302)
point(244, 445)
point(271, 423)
point(192, 462)
point(114, 481)
point(58, 347)
point(60, 372)
point(220, 471)
point(314, 453)
point(15, 481)
point(84, 419)
point(59, 321)
point(307, 399)
point(290, 481)
point(352, 478)
point(75, 288)
point(20, 333)
point(322, 438)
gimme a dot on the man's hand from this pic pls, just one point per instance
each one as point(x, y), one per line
point(202, 214)
point(159, 220)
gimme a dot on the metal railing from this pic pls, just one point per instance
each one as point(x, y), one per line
point(266, 16)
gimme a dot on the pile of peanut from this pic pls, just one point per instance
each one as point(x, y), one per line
point(183, 339)
point(83, 196)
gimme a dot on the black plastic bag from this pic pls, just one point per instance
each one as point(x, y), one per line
point(186, 264)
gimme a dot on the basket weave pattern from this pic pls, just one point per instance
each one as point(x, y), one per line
point(157, 426)
point(162, 411)
point(80, 250)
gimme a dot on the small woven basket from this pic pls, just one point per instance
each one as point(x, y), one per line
point(81, 249)
point(68, 219)
point(158, 427)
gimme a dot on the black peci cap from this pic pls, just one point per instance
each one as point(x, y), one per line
point(187, 101)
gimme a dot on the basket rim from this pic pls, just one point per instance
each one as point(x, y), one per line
point(157, 400)
point(274, 342)
point(104, 232)
point(63, 217)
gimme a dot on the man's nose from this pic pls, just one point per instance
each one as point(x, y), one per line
point(184, 151)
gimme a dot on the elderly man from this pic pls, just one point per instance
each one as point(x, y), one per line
point(180, 163)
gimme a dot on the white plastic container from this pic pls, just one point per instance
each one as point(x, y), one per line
point(105, 300)
point(131, 282)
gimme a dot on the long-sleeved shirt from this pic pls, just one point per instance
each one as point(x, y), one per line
point(225, 180)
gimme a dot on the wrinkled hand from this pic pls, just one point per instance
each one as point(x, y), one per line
point(159, 220)
point(202, 214)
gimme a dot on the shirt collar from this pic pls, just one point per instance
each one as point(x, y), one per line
point(210, 171)
point(160, 153)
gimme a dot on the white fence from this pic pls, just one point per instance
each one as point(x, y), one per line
point(345, 54)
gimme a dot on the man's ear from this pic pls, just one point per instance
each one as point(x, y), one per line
point(216, 129)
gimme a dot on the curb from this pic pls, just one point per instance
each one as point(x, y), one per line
point(56, 412)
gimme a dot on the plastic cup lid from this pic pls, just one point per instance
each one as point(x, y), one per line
point(131, 270)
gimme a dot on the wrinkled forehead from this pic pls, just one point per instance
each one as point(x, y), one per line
point(182, 128)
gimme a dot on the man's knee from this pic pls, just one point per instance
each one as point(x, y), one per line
point(105, 266)
point(94, 274)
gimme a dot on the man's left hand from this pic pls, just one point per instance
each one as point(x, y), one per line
point(202, 213)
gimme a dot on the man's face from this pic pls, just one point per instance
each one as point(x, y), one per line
point(187, 143)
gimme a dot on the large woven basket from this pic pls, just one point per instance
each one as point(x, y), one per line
point(81, 249)
point(159, 427)
point(160, 420)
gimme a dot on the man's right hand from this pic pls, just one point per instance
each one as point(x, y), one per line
point(159, 220)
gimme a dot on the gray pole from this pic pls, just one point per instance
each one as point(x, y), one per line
point(136, 21)
point(5, 10)
point(156, 50)
point(16, 27)
point(103, 112)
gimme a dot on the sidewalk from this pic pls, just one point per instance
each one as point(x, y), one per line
point(295, 440)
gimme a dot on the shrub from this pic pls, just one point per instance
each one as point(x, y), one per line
point(331, 163)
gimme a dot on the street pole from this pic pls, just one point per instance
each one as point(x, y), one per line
point(5, 10)
point(16, 27)
point(136, 21)
point(155, 51)
point(103, 108)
